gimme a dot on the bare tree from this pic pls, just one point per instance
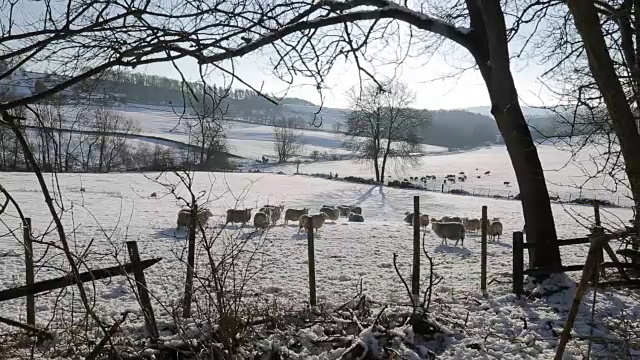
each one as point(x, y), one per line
point(288, 141)
point(112, 128)
point(383, 127)
point(206, 127)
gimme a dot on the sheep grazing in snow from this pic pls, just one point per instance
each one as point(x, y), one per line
point(471, 225)
point(82, 189)
point(153, 195)
point(317, 221)
point(495, 229)
point(294, 214)
point(424, 219)
point(184, 218)
point(274, 212)
point(487, 172)
point(344, 210)
point(328, 206)
point(449, 230)
point(239, 216)
point(261, 220)
point(353, 217)
point(506, 183)
point(332, 213)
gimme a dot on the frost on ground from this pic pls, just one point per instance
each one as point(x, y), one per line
point(351, 259)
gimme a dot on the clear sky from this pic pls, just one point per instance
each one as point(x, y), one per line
point(431, 79)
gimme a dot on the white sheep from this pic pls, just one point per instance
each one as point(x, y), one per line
point(294, 214)
point(184, 218)
point(495, 229)
point(332, 213)
point(317, 221)
point(261, 220)
point(449, 230)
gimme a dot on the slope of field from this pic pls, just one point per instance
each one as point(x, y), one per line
point(565, 177)
point(244, 139)
point(108, 214)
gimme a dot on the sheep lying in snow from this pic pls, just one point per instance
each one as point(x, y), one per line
point(471, 224)
point(294, 214)
point(353, 217)
point(449, 230)
point(261, 220)
point(317, 221)
point(332, 213)
point(495, 229)
point(239, 216)
point(184, 218)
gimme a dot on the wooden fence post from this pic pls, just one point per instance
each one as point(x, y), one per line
point(483, 248)
point(415, 276)
point(29, 273)
point(312, 263)
point(590, 266)
point(141, 285)
point(598, 231)
point(442, 190)
point(518, 263)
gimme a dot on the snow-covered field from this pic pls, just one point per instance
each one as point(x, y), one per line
point(117, 207)
point(564, 177)
point(248, 140)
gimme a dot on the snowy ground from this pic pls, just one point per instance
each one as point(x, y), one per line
point(564, 177)
point(244, 139)
point(116, 207)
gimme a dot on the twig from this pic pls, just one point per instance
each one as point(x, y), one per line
point(395, 266)
point(112, 330)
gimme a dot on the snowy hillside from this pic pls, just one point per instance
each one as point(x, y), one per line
point(564, 177)
point(248, 140)
point(108, 214)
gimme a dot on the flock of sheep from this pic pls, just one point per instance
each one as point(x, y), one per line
point(462, 176)
point(269, 215)
point(455, 228)
point(446, 228)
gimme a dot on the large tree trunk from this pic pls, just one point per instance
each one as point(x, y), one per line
point(603, 71)
point(493, 60)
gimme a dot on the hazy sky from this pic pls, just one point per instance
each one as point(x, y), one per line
point(431, 79)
